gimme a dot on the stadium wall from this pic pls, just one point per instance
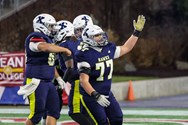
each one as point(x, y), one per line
point(151, 88)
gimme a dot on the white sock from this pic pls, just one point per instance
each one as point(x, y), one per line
point(43, 122)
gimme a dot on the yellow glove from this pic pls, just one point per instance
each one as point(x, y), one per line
point(139, 25)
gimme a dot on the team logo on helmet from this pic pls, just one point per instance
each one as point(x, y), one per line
point(40, 18)
point(63, 25)
point(86, 20)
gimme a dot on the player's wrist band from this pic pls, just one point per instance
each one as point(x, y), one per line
point(136, 33)
point(95, 94)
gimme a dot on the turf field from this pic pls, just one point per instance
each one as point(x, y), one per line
point(117, 79)
point(132, 116)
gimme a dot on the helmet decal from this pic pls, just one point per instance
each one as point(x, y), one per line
point(40, 18)
point(63, 25)
point(85, 33)
point(86, 20)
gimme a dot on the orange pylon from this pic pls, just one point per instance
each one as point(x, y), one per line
point(130, 95)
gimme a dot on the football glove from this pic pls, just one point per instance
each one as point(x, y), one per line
point(139, 25)
point(60, 82)
point(101, 99)
point(67, 88)
point(27, 89)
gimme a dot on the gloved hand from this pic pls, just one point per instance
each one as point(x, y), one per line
point(67, 88)
point(139, 25)
point(60, 82)
point(27, 89)
point(101, 99)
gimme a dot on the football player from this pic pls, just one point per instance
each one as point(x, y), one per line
point(95, 65)
point(76, 110)
point(68, 35)
point(40, 71)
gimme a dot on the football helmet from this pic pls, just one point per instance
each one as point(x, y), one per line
point(80, 22)
point(90, 32)
point(44, 23)
point(64, 29)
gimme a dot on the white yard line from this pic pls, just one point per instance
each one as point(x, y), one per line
point(159, 120)
point(126, 112)
point(156, 112)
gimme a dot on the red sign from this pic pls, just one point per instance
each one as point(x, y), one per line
point(12, 67)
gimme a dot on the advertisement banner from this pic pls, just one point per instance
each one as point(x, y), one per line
point(12, 67)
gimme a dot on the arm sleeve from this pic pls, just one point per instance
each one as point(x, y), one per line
point(34, 46)
point(34, 42)
point(117, 52)
point(84, 67)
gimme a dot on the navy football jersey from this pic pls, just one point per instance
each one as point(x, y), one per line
point(39, 64)
point(72, 46)
point(100, 62)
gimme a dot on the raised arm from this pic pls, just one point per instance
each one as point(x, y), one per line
point(130, 43)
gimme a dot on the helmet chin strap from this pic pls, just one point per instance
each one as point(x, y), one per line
point(102, 43)
point(97, 48)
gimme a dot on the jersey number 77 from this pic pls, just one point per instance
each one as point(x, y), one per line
point(101, 66)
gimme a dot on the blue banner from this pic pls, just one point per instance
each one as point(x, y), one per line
point(8, 95)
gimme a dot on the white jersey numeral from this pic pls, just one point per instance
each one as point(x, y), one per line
point(51, 59)
point(101, 66)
